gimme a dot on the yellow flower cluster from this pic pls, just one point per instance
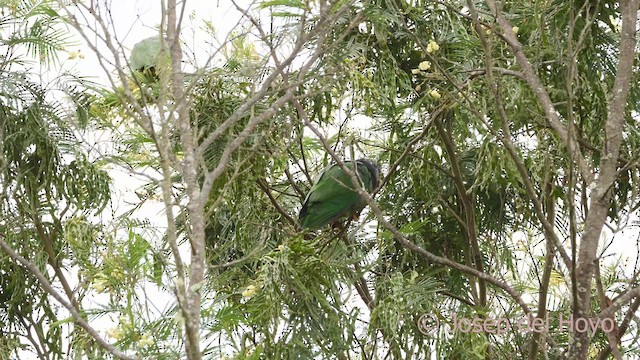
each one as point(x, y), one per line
point(423, 66)
point(115, 332)
point(100, 283)
point(432, 46)
point(146, 340)
point(249, 291)
point(75, 55)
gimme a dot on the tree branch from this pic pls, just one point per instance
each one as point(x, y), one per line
point(403, 240)
point(46, 285)
point(538, 88)
point(600, 198)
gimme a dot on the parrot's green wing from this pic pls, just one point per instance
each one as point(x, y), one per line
point(333, 195)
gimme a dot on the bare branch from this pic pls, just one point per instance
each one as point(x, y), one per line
point(468, 206)
point(604, 354)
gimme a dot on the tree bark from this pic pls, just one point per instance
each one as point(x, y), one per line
point(600, 197)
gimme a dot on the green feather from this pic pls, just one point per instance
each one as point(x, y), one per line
point(333, 195)
point(144, 54)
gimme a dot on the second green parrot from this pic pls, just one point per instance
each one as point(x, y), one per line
point(144, 54)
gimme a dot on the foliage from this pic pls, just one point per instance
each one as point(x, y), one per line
point(49, 188)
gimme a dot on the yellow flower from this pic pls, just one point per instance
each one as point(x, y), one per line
point(515, 30)
point(115, 332)
point(418, 87)
point(280, 247)
point(117, 274)
point(432, 46)
point(99, 284)
point(145, 340)
point(124, 321)
point(249, 291)
point(425, 65)
point(75, 55)
point(415, 71)
point(435, 94)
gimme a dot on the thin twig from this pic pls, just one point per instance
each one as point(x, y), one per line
point(262, 184)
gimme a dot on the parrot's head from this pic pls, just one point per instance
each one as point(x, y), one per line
point(373, 169)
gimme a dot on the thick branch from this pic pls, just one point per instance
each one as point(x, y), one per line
point(601, 196)
point(195, 205)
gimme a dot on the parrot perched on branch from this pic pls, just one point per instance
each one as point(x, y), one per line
point(144, 55)
point(333, 195)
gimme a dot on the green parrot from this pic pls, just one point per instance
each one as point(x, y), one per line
point(333, 194)
point(144, 55)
